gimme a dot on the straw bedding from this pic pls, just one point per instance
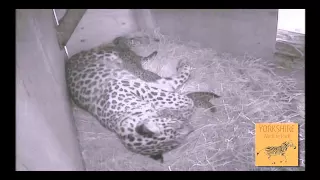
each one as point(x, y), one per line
point(251, 93)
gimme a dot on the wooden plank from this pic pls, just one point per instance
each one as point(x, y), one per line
point(60, 13)
point(68, 24)
point(290, 44)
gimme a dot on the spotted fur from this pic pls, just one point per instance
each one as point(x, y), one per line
point(134, 109)
point(133, 62)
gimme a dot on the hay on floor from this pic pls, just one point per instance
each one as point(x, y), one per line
point(251, 93)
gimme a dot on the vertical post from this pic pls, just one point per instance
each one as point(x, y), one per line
point(68, 24)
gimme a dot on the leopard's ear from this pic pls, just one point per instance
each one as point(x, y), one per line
point(147, 129)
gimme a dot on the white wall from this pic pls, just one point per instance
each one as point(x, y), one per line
point(236, 31)
point(45, 131)
point(99, 26)
point(292, 20)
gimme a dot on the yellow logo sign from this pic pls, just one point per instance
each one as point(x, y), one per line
point(276, 144)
